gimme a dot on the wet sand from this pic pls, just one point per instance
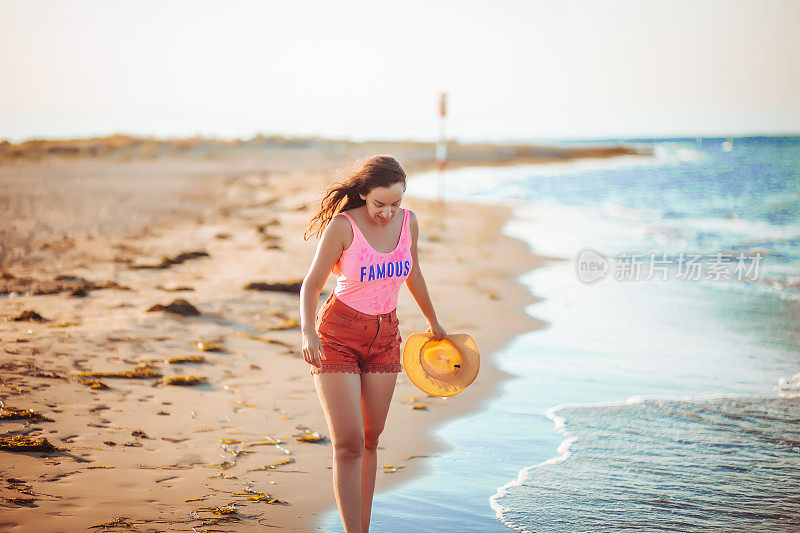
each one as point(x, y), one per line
point(225, 453)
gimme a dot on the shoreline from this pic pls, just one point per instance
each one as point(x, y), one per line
point(110, 330)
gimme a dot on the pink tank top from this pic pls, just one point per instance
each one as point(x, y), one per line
point(369, 281)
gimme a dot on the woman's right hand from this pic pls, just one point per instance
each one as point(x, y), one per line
point(312, 349)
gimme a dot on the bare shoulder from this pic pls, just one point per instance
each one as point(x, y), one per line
point(339, 230)
point(414, 228)
point(339, 225)
point(412, 219)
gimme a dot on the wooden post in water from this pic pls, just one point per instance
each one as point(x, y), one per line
point(441, 157)
point(441, 147)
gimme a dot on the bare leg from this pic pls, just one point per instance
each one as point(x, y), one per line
point(376, 393)
point(340, 394)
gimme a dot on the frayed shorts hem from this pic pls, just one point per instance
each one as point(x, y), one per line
point(364, 369)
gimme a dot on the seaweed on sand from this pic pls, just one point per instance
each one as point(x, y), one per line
point(309, 436)
point(143, 371)
point(21, 443)
point(184, 380)
point(186, 359)
point(12, 413)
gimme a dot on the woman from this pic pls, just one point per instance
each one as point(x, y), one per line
point(353, 345)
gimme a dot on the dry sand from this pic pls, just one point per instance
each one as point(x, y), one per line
point(165, 457)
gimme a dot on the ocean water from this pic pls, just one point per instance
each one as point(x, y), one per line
point(721, 464)
point(665, 402)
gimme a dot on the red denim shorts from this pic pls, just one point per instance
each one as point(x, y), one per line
point(357, 342)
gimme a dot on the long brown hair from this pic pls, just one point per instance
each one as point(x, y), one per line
point(377, 171)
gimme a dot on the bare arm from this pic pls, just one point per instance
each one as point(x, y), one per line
point(418, 288)
point(329, 249)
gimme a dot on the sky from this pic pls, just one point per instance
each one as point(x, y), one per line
point(512, 70)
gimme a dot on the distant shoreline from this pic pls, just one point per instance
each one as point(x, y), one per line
point(130, 147)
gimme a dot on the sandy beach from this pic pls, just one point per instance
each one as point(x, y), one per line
point(93, 246)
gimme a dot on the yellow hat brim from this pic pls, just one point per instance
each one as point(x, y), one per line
point(412, 364)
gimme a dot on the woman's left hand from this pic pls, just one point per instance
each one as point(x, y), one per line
point(437, 330)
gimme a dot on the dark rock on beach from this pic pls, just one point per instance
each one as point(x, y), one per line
point(75, 285)
point(167, 262)
point(179, 307)
point(31, 316)
point(292, 286)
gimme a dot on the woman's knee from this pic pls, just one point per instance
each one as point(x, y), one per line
point(371, 438)
point(349, 447)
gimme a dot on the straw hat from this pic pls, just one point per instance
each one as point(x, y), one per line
point(441, 368)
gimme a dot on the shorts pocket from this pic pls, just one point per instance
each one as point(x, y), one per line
point(336, 331)
point(333, 316)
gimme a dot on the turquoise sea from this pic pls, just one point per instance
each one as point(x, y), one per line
point(663, 395)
